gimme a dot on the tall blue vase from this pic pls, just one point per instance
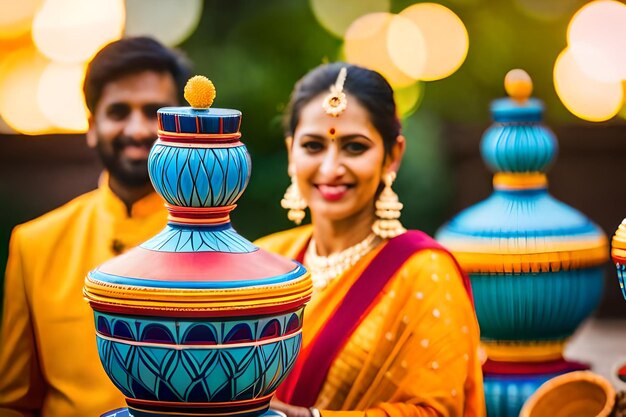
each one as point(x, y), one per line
point(535, 263)
point(197, 320)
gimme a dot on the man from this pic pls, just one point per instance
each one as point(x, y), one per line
point(49, 364)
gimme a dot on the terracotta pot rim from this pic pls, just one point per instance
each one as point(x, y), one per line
point(567, 378)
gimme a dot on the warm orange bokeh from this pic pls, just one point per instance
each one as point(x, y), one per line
point(585, 97)
point(366, 45)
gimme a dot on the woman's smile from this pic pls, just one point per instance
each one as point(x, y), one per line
point(333, 192)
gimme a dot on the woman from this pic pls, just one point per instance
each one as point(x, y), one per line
point(390, 330)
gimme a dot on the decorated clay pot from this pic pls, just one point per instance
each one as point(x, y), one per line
point(535, 263)
point(197, 320)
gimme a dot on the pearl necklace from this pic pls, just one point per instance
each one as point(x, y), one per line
point(324, 269)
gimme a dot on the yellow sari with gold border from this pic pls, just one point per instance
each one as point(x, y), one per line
point(413, 354)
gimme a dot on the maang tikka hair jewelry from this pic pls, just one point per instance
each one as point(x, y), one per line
point(294, 202)
point(388, 209)
point(336, 101)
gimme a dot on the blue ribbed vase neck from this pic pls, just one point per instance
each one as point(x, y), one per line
point(517, 141)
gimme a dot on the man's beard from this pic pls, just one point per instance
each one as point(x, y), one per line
point(129, 172)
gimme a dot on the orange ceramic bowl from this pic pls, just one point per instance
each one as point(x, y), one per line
point(575, 394)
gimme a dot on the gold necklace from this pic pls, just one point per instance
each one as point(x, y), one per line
point(324, 269)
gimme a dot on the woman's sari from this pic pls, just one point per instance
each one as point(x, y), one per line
point(409, 347)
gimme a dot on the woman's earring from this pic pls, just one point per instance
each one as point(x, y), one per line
point(388, 211)
point(294, 202)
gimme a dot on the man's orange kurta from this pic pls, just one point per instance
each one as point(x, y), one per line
point(414, 354)
point(49, 364)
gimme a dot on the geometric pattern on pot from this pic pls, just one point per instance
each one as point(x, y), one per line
point(222, 238)
point(544, 306)
point(194, 121)
point(204, 332)
point(199, 177)
point(201, 374)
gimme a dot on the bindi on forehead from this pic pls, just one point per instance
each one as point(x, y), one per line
point(332, 133)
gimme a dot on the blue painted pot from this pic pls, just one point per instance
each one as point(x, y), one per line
point(186, 360)
point(199, 176)
point(535, 263)
point(198, 320)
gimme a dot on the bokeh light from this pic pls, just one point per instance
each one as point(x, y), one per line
point(406, 46)
point(596, 37)
point(366, 45)
point(72, 31)
point(19, 76)
point(408, 99)
point(16, 17)
point(584, 96)
point(445, 36)
point(171, 22)
point(336, 16)
point(60, 96)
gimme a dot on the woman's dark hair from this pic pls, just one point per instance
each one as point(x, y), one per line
point(130, 56)
point(367, 86)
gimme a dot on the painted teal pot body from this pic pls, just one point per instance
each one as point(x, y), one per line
point(187, 360)
point(528, 306)
point(544, 306)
